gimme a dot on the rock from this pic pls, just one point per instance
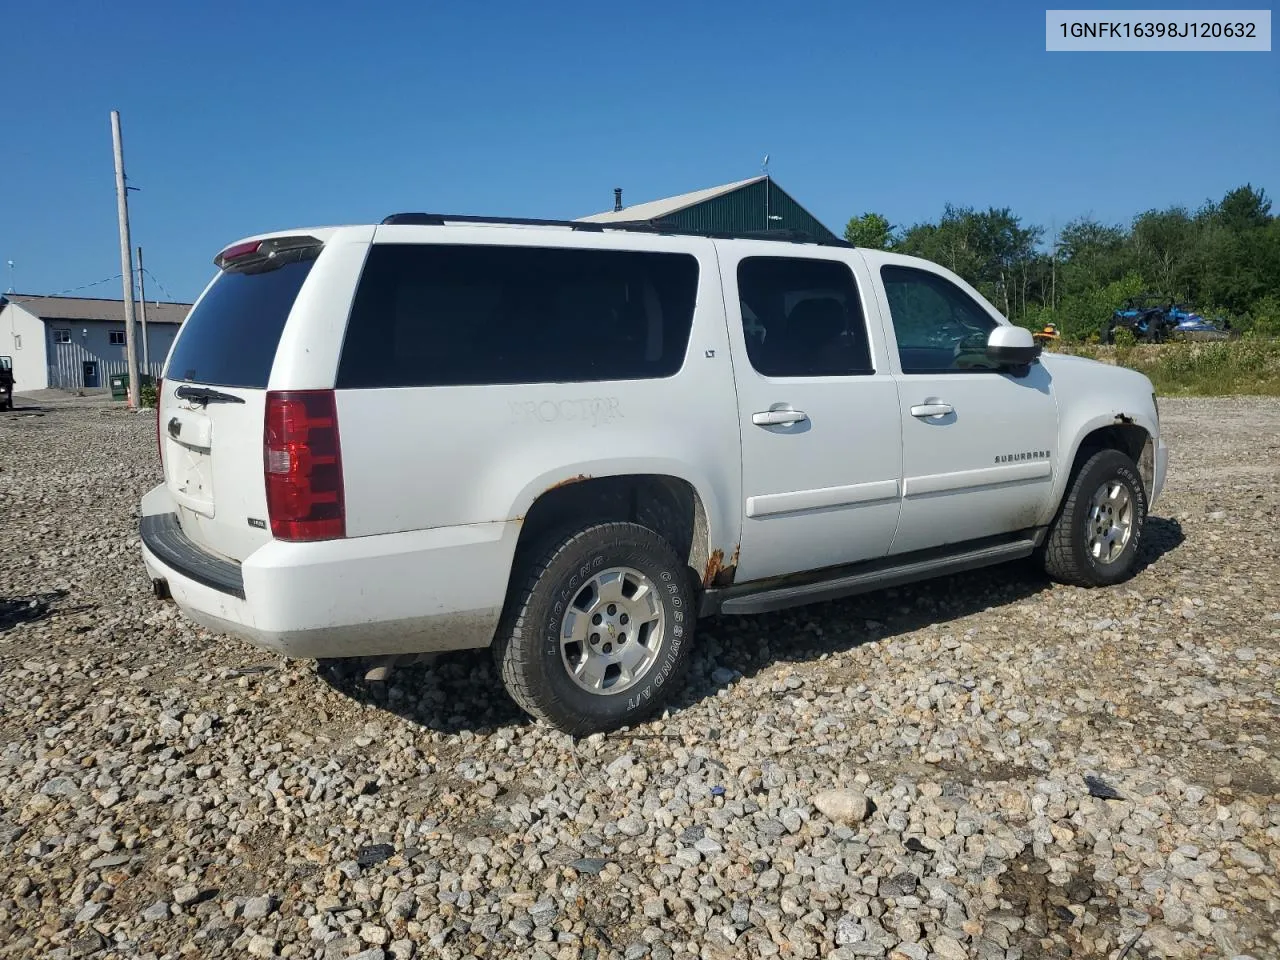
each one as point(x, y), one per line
point(1245, 857)
point(260, 946)
point(909, 951)
point(544, 912)
point(1164, 942)
point(899, 885)
point(722, 676)
point(90, 912)
point(948, 948)
point(633, 825)
point(256, 908)
point(620, 769)
point(843, 806)
point(156, 912)
point(849, 930)
point(87, 944)
point(185, 895)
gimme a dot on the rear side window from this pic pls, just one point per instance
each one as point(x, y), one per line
point(230, 338)
point(442, 315)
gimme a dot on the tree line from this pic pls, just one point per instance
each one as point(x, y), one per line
point(1222, 259)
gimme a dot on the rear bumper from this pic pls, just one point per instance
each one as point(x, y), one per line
point(425, 591)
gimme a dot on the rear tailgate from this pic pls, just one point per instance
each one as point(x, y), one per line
point(212, 401)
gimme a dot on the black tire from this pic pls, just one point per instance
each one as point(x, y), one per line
point(1065, 553)
point(527, 647)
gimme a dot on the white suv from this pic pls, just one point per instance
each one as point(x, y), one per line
point(569, 441)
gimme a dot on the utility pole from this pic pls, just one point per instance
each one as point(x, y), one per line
point(126, 259)
point(142, 301)
point(1053, 302)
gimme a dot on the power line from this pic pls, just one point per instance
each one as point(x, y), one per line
point(157, 282)
point(86, 286)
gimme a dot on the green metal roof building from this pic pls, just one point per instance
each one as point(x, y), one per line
point(754, 204)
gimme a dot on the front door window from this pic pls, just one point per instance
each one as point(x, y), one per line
point(939, 328)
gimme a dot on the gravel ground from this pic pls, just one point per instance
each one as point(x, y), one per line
point(987, 766)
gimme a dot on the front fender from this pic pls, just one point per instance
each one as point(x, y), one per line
point(1093, 397)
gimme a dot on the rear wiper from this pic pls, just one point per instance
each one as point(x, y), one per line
point(205, 395)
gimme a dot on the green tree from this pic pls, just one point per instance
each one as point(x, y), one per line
point(1245, 208)
point(1223, 260)
point(871, 230)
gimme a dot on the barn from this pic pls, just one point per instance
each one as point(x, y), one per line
point(748, 205)
point(78, 343)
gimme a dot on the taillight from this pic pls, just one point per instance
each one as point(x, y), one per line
point(302, 462)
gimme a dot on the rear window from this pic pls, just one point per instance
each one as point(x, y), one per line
point(441, 315)
point(230, 338)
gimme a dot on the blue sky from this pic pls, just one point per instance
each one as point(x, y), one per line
point(243, 117)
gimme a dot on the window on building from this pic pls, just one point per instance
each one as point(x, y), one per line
point(802, 318)
point(440, 315)
point(939, 327)
point(117, 338)
point(62, 336)
point(17, 341)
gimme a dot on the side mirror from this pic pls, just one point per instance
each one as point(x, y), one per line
point(1012, 347)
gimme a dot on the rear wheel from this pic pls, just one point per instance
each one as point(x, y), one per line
point(598, 628)
point(1094, 539)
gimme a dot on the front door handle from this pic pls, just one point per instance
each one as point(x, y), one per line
point(775, 418)
point(931, 410)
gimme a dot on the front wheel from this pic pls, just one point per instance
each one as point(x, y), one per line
point(598, 628)
point(1093, 541)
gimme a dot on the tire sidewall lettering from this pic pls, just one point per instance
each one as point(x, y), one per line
point(1137, 492)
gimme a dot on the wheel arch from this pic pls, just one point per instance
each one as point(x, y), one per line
point(1120, 431)
point(671, 505)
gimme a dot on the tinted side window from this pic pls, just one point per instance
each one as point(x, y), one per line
point(230, 338)
point(938, 326)
point(802, 318)
point(437, 315)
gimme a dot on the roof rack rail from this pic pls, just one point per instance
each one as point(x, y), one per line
point(635, 226)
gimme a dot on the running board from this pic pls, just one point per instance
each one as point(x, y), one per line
point(746, 599)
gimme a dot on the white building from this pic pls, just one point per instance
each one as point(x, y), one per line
point(77, 343)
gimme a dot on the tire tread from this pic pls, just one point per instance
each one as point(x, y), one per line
point(1059, 556)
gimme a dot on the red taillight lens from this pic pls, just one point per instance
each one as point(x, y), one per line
point(237, 252)
point(302, 463)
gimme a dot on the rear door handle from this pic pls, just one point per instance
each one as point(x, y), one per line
point(931, 410)
point(774, 418)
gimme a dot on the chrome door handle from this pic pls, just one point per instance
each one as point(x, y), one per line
point(931, 410)
point(774, 418)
